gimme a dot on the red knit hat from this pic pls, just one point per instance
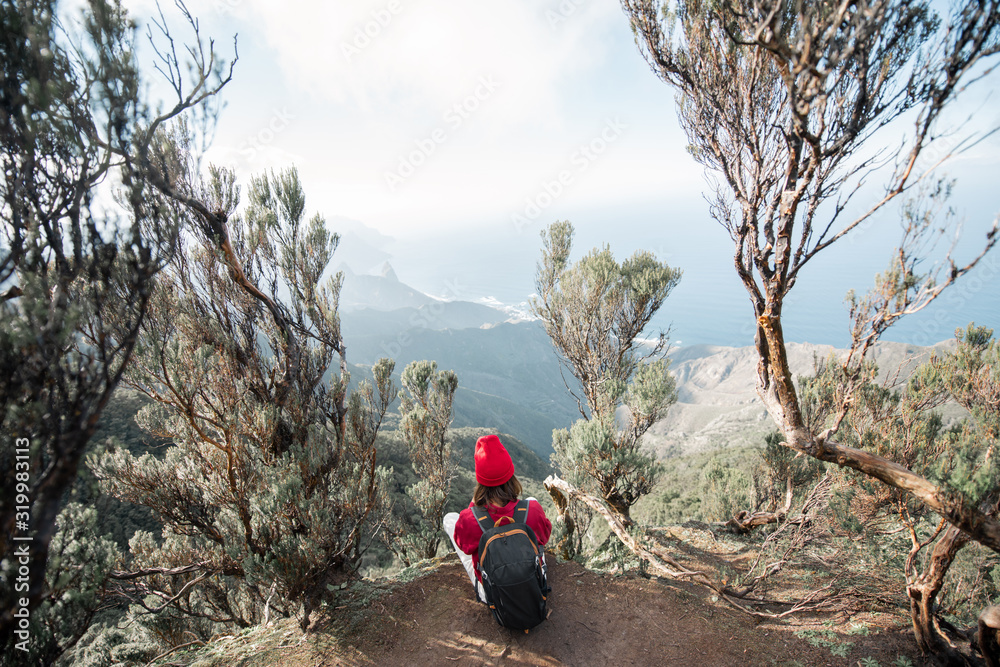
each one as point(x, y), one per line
point(493, 464)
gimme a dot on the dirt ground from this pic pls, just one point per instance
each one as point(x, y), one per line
point(598, 619)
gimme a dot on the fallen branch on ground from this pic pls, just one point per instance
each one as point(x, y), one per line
point(663, 564)
point(815, 502)
point(744, 521)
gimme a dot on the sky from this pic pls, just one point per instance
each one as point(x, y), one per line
point(425, 114)
point(450, 134)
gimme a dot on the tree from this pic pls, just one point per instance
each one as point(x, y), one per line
point(426, 408)
point(904, 427)
point(267, 496)
point(784, 102)
point(76, 579)
point(73, 116)
point(595, 312)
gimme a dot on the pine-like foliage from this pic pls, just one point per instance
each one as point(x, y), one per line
point(797, 110)
point(266, 495)
point(902, 425)
point(79, 565)
point(73, 115)
point(426, 407)
point(595, 312)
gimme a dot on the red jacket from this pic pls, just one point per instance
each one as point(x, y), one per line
point(468, 532)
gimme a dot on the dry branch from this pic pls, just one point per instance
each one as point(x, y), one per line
point(814, 503)
point(946, 502)
point(184, 569)
point(657, 558)
point(663, 564)
point(744, 521)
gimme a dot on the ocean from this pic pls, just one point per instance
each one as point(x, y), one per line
point(493, 260)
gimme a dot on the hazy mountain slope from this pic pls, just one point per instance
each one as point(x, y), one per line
point(514, 362)
point(474, 408)
point(390, 329)
point(508, 374)
point(477, 409)
point(510, 379)
point(717, 400)
point(379, 292)
point(361, 248)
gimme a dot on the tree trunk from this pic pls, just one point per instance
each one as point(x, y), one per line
point(744, 521)
point(989, 636)
point(566, 545)
point(923, 591)
point(616, 503)
point(775, 383)
point(776, 390)
point(659, 560)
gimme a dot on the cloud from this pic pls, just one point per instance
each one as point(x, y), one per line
point(378, 54)
point(433, 114)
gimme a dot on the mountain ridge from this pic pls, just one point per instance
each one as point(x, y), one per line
point(511, 378)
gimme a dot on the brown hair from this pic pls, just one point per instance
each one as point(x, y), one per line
point(497, 496)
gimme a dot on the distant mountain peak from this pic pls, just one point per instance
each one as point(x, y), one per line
point(388, 273)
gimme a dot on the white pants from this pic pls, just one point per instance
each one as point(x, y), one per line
point(449, 521)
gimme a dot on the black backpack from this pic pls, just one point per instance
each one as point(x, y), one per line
point(512, 567)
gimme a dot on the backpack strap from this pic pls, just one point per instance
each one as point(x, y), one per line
point(486, 522)
point(482, 518)
point(521, 512)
